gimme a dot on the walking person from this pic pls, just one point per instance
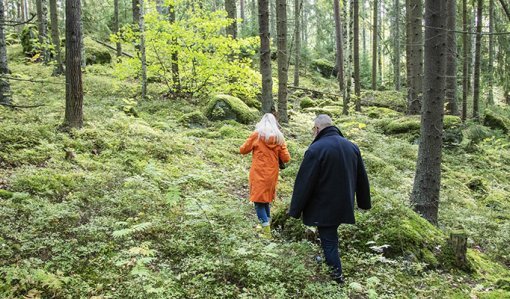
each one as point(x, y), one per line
point(268, 147)
point(331, 173)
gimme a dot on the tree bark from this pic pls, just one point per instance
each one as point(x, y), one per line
point(465, 60)
point(135, 4)
point(374, 45)
point(241, 11)
point(116, 25)
point(82, 37)
point(281, 28)
point(55, 37)
point(5, 87)
point(396, 44)
point(451, 59)
point(74, 88)
point(272, 19)
point(427, 181)
point(42, 25)
point(347, 57)
point(142, 48)
point(339, 43)
point(380, 38)
point(357, 83)
point(458, 243)
point(478, 46)
point(414, 10)
point(176, 80)
point(230, 7)
point(265, 57)
point(490, 70)
point(297, 39)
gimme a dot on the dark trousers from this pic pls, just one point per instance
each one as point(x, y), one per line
point(263, 211)
point(329, 244)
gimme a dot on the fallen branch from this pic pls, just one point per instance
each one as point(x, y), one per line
point(16, 23)
point(112, 48)
point(20, 106)
point(29, 80)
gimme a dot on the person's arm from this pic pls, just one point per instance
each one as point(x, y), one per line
point(247, 146)
point(284, 154)
point(362, 186)
point(304, 185)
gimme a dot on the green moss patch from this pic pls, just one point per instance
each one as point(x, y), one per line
point(496, 121)
point(323, 66)
point(224, 107)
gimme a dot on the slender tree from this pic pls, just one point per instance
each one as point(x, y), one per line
point(465, 60)
point(339, 44)
point(116, 25)
point(396, 44)
point(427, 181)
point(42, 25)
point(281, 28)
point(380, 38)
point(357, 83)
point(451, 59)
point(478, 46)
point(265, 57)
point(230, 7)
point(374, 45)
point(74, 88)
point(5, 87)
point(272, 19)
point(490, 70)
point(142, 48)
point(135, 4)
point(297, 39)
point(55, 37)
point(241, 11)
point(414, 9)
point(347, 34)
point(176, 81)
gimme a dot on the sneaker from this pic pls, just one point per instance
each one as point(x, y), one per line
point(339, 279)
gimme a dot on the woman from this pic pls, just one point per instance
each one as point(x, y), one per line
point(268, 146)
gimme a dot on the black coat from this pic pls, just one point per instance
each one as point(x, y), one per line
point(331, 173)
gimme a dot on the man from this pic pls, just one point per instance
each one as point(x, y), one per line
point(331, 173)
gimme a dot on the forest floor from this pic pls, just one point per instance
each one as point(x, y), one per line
point(155, 206)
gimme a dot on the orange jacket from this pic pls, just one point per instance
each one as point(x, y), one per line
point(264, 166)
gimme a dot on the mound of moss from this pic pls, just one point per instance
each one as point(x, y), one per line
point(496, 122)
point(323, 66)
point(194, 119)
point(224, 107)
point(411, 124)
point(391, 99)
point(306, 102)
point(96, 53)
point(381, 112)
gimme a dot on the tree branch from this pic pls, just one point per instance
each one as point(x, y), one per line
point(20, 106)
point(505, 8)
point(112, 48)
point(16, 23)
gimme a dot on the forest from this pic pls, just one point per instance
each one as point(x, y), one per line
point(121, 122)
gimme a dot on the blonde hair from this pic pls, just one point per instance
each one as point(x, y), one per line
point(267, 127)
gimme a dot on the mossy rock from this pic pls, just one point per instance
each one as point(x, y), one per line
point(394, 100)
point(496, 122)
point(306, 102)
point(412, 123)
point(224, 107)
point(323, 66)
point(194, 119)
point(332, 111)
point(381, 112)
point(96, 53)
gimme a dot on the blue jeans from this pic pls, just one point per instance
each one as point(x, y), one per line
point(329, 244)
point(263, 212)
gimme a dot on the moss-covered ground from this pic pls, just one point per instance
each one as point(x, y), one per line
point(153, 207)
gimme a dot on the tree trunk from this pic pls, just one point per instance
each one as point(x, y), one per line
point(478, 45)
point(339, 44)
point(364, 31)
point(5, 87)
point(254, 19)
point(42, 25)
point(490, 96)
point(414, 10)
point(347, 57)
point(374, 45)
point(281, 28)
point(458, 243)
point(357, 83)
point(230, 7)
point(74, 88)
point(265, 57)
point(297, 39)
point(451, 59)
point(136, 11)
point(465, 60)
point(116, 25)
point(142, 49)
point(82, 37)
point(176, 81)
point(272, 19)
point(380, 38)
point(396, 44)
point(241, 11)
point(427, 181)
point(55, 37)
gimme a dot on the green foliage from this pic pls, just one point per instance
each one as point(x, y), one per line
point(208, 61)
point(96, 53)
point(29, 40)
point(411, 124)
point(194, 119)
point(306, 102)
point(223, 107)
point(496, 122)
